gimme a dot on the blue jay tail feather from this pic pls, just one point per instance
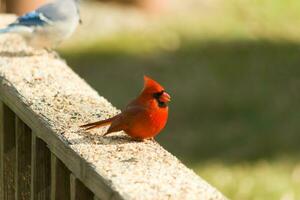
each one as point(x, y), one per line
point(4, 30)
point(15, 29)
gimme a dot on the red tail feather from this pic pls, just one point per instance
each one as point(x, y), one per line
point(97, 124)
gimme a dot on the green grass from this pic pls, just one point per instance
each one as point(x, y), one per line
point(232, 68)
point(255, 181)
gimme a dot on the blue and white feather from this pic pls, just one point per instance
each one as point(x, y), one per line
point(49, 25)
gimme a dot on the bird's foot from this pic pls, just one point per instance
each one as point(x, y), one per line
point(144, 140)
point(152, 140)
point(138, 139)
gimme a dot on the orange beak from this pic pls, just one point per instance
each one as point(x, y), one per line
point(165, 97)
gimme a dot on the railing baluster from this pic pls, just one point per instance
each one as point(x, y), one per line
point(96, 198)
point(78, 190)
point(40, 170)
point(23, 160)
point(1, 150)
point(8, 152)
point(60, 182)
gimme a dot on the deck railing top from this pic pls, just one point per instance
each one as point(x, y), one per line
point(53, 101)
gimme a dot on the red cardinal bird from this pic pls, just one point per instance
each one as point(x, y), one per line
point(144, 117)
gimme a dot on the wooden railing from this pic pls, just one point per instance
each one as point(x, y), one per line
point(44, 155)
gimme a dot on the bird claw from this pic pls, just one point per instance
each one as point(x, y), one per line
point(144, 140)
point(151, 139)
point(138, 139)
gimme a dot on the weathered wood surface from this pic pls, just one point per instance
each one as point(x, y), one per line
point(8, 153)
point(60, 181)
point(78, 190)
point(1, 150)
point(23, 160)
point(40, 169)
point(53, 101)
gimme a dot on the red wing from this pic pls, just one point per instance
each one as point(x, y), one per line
point(128, 118)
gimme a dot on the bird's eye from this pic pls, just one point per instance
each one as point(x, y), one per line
point(158, 94)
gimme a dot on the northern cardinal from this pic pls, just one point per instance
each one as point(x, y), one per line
point(144, 117)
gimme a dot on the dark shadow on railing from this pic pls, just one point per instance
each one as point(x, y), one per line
point(28, 168)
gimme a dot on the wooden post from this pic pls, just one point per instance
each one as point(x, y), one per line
point(60, 181)
point(20, 7)
point(8, 152)
point(2, 6)
point(1, 150)
point(96, 198)
point(23, 160)
point(40, 170)
point(78, 190)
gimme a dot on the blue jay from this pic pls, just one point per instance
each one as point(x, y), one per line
point(49, 25)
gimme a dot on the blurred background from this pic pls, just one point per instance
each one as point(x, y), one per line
point(232, 68)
